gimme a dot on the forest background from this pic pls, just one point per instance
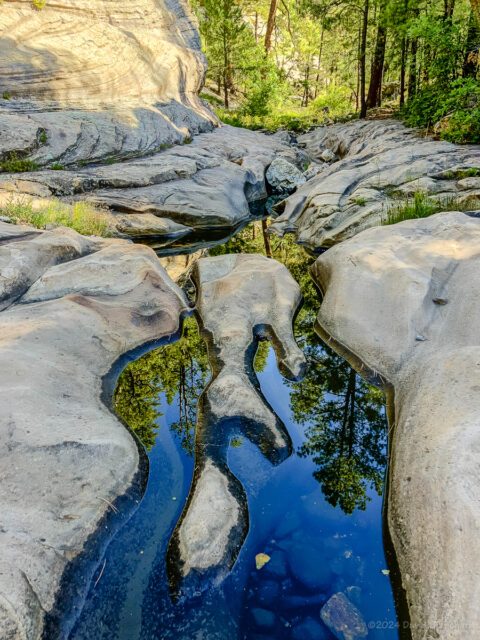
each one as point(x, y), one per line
point(295, 63)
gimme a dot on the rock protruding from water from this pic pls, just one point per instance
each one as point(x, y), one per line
point(383, 164)
point(381, 291)
point(241, 299)
point(343, 619)
point(70, 472)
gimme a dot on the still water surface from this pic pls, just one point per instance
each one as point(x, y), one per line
point(316, 549)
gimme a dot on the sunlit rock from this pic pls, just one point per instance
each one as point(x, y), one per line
point(382, 164)
point(284, 175)
point(241, 299)
point(70, 472)
point(381, 311)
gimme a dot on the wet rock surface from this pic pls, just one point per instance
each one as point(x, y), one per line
point(381, 310)
point(241, 299)
point(71, 473)
point(381, 164)
point(343, 619)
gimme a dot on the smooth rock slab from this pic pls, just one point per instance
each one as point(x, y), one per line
point(401, 304)
point(71, 306)
point(382, 163)
point(241, 299)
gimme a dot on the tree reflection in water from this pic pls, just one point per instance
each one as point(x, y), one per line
point(343, 416)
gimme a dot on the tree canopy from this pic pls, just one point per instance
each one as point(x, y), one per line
point(306, 60)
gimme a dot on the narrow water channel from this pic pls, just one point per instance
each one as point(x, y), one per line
point(317, 516)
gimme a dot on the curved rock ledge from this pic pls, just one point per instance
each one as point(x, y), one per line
point(241, 299)
point(401, 304)
point(382, 163)
point(71, 306)
point(207, 184)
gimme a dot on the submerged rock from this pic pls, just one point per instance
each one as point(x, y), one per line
point(309, 629)
point(382, 164)
point(379, 296)
point(70, 472)
point(343, 619)
point(241, 299)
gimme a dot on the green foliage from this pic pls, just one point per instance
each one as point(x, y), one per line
point(422, 205)
point(111, 161)
point(39, 4)
point(5, 95)
point(43, 137)
point(176, 372)
point(56, 166)
point(13, 164)
point(80, 216)
point(360, 201)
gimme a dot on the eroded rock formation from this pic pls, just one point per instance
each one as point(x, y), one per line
point(69, 470)
point(401, 304)
point(382, 164)
point(99, 78)
point(241, 299)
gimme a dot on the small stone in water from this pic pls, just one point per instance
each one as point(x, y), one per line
point(261, 560)
point(385, 572)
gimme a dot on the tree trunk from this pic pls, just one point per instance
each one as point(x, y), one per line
point(375, 87)
point(363, 53)
point(470, 63)
point(270, 25)
point(266, 239)
point(402, 71)
point(412, 76)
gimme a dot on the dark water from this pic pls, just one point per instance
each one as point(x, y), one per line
point(316, 549)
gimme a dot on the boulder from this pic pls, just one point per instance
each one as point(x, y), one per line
point(284, 175)
point(343, 619)
point(70, 472)
point(241, 299)
point(382, 165)
point(401, 304)
point(327, 155)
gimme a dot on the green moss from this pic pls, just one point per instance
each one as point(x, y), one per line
point(43, 137)
point(360, 201)
point(111, 161)
point(56, 166)
point(5, 95)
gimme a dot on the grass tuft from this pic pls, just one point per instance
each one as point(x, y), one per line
point(13, 164)
point(81, 216)
point(422, 205)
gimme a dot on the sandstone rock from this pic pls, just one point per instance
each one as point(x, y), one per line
point(382, 158)
point(241, 298)
point(327, 155)
point(380, 292)
point(283, 175)
point(343, 619)
point(71, 307)
point(312, 171)
point(149, 225)
point(207, 184)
